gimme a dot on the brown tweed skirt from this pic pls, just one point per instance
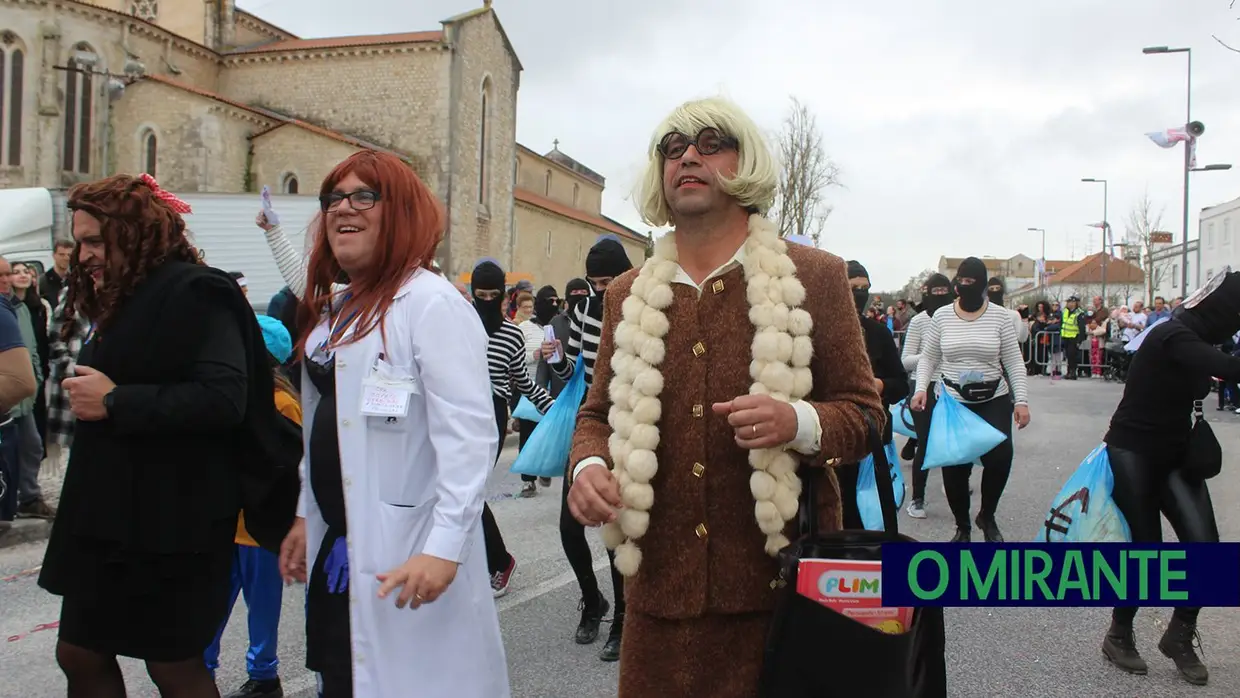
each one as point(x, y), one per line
point(716, 656)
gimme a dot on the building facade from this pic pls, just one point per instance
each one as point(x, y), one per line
point(1125, 283)
point(1017, 272)
point(210, 98)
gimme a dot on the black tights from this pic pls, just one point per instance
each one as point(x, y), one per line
point(524, 429)
point(996, 465)
point(577, 550)
point(921, 425)
point(1148, 487)
point(94, 675)
point(497, 552)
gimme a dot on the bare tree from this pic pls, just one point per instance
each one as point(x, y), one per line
point(912, 289)
point(1222, 43)
point(1144, 229)
point(806, 173)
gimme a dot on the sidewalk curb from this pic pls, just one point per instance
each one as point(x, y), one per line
point(26, 531)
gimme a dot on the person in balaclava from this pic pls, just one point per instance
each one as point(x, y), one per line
point(971, 349)
point(506, 355)
point(936, 294)
point(1148, 447)
point(575, 294)
point(546, 307)
point(606, 260)
point(890, 380)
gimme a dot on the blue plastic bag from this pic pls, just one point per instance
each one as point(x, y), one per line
point(1083, 511)
point(867, 489)
point(902, 419)
point(957, 436)
point(545, 453)
point(527, 411)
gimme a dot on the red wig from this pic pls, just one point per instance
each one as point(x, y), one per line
point(410, 230)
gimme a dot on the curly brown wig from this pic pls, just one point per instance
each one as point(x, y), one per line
point(140, 232)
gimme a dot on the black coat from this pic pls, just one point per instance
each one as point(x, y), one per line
point(884, 355)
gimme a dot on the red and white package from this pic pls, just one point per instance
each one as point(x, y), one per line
point(854, 589)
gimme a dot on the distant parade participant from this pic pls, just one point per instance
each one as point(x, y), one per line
point(1148, 446)
point(936, 294)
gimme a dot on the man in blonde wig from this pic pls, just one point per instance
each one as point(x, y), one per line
point(729, 362)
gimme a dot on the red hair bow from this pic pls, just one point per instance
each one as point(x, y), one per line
point(167, 197)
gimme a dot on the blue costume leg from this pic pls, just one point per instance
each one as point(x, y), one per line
point(264, 593)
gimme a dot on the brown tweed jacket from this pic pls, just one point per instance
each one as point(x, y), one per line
point(703, 552)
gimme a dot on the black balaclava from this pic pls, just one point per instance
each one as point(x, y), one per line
point(607, 259)
point(572, 300)
point(861, 296)
point(972, 296)
point(489, 277)
point(995, 297)
point(931, 302)
point(545, 305)
point(1216, 317)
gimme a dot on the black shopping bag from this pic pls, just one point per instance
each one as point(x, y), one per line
point(815, 652)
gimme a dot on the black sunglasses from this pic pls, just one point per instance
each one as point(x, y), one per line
point(360, 200)
point(708, 142)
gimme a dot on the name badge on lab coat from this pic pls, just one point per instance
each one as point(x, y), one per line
point(386, 391)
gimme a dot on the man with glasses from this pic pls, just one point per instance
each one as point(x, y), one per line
point(728, 363)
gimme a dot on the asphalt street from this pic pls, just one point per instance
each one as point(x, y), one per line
point(992, 652)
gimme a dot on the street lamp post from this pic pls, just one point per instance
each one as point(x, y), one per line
point(1188, 153)
point(1106, 227)
point(1043, 273)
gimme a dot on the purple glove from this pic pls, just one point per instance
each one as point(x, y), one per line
point(337, 567)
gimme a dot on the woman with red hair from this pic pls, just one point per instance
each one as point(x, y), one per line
point(400, 441)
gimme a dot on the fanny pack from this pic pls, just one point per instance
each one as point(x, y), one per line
point(975, 392)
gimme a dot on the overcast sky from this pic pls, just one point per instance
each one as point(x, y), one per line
point(957, 123)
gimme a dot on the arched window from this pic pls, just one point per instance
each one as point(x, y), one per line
point(547, 184)
point(484, 145)
point(12, 81)
point(576, 193)
point(150, 151)
point(290, 186)
point(78, 112)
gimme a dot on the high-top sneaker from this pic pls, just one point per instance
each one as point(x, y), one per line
point(1177, 644)
point(611, 649)
point(1120, 648)
point(591, 617)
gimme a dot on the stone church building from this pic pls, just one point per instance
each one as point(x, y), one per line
point(210, 98)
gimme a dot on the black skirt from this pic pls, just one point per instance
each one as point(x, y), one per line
point(329, 649)
point(161, 608)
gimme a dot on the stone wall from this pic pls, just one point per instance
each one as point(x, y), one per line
point(202, 143)
point(553, 248)
point(480, 213)
point(532, 174)
point(293, 150)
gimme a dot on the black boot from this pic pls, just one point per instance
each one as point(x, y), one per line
point(591, 616)
point(909, 450)
point(1120, 648)
point(269, 688)
point(611, 648)
point(1177, 644)
point(990, 529)
point(963, 535)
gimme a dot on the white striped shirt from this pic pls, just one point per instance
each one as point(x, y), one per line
point(951, 346)
point(506, 362)
point(585, 333)
point(910, 353)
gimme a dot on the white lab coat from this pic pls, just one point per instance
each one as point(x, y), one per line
point(415, 485)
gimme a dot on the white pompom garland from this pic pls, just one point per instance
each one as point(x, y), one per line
point(781, 353)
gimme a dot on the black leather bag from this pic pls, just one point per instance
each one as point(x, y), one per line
point(1204, 459)
point(815, 652)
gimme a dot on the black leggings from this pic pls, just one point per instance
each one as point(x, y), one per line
point(921, 425)
point(996, 464)
point(577, 550)
point(497, 553)
point(1147, 486)
point(525, 428)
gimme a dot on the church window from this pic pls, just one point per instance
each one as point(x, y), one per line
point(150, 152)
point(291, 185)
point(548, 243)
point(576, 193)
point(78, 114)
point(145, 9)
point(12, 81)
point(547, 184)
point(484, 146)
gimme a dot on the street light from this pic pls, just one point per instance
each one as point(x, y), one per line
point(1043, 272)
point(1188, 152)
point(1105, 228)
point(1211, 168)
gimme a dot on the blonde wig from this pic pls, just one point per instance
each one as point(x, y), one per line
point(757, 171)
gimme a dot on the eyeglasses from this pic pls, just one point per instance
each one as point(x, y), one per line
point(708, 142)
point(360, 200)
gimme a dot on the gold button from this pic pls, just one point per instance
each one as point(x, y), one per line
point(698, 469)
point(717, 287)
point(697, 410)
point(700, 530)
point(699, 349)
